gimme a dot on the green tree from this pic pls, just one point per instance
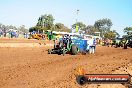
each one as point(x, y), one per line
point(46, 22)
point(90, 29)
point(111, 34)
point(103, 25)
point(36, 29)
point(23, 29)
point(81, 26)
point(0, 25)
point(3, 27)
point(61, 27)
point(128, 30)
point(125, 36)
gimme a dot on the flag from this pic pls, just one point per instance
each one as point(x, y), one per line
point(77, 28)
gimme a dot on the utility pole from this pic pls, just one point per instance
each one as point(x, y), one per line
point(77, 15)
point(77, 20)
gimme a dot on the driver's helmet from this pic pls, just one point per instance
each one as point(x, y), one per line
point(65, 36)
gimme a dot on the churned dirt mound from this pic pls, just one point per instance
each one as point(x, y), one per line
point(18, 42)
point(32, 67)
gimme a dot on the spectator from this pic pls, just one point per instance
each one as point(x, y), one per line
point(0, 33)
point(94, 44)
point(4, 33)
point(91, 45)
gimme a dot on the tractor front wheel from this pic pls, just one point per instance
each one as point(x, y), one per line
point(116, 45)
point(49, 51)
point(74, 49)
point(64, 51)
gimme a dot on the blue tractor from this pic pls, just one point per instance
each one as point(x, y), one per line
point(68, 45)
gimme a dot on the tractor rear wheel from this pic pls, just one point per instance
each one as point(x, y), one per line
point(74, 49)
point(125, 46)
point(49, 51)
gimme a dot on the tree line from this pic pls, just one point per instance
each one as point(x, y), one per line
point(46, 22)
point(103, 26)
point(6, 28)
point(128, 31)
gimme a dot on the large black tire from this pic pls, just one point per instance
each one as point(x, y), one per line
point(60, 52)
point(116, 45)
point(74, 50)
point(81, 80)
point(125, 46)
point(64, 51)
point(130, 45)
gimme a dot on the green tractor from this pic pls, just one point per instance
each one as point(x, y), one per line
point(50, 35)
point(123, 42)
point(68, 45)
point(128, 42)
point(118, 42)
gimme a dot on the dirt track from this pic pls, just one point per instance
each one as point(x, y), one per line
point(32, 67)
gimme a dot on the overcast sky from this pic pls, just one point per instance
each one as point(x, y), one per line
point(26, 12)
